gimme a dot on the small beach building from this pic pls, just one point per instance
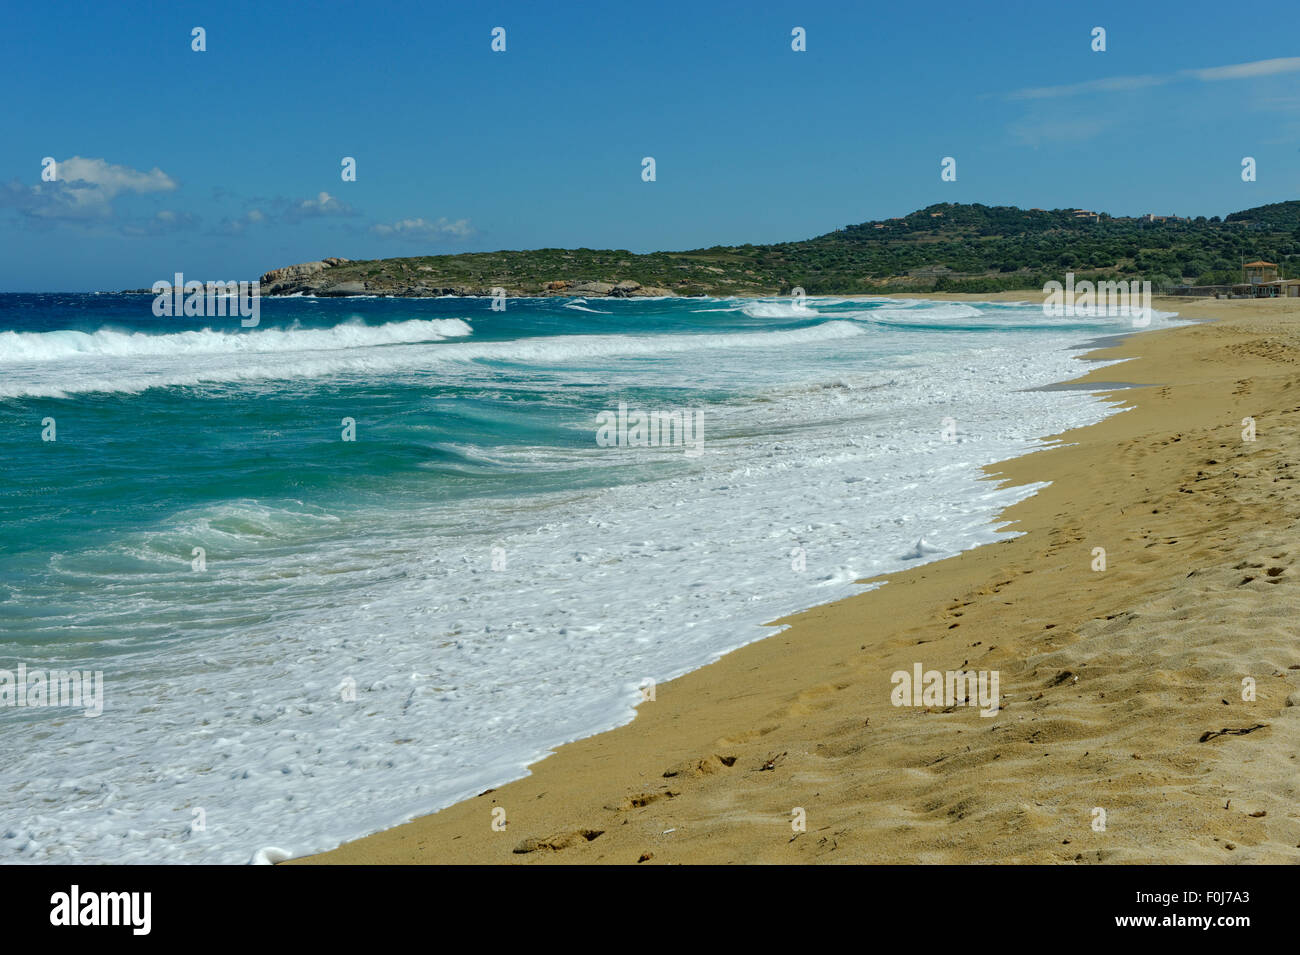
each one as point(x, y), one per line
point(1260, 273)
point(1282, 288)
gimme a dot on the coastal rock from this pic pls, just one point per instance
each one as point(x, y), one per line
point(293, 272)
point(296, 278)
point(591, 288)
point(422, 281)
point(346, 288)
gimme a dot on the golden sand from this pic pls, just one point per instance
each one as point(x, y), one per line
point(1111, 680)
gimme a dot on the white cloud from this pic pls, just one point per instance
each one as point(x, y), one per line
point(109, 180)
point(323, 205)
point(84, 190)
point(424, 229)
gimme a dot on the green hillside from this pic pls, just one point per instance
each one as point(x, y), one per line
point(949, 246)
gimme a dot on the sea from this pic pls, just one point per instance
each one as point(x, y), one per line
point(375, 555)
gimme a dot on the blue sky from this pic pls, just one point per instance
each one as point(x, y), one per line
point(226, 163)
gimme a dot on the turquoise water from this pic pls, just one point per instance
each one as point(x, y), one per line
point(490, 579)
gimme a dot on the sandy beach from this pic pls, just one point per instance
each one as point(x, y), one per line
point(1153, 695)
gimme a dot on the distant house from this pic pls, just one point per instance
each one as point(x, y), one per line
point(1086, 214)
point(1258, 273)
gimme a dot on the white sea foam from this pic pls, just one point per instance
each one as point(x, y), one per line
point(133, 363)
point(465, 674)
point(789, 309)
point(580, 305)
point(17, 347)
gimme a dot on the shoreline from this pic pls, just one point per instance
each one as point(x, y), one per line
point(685, 780)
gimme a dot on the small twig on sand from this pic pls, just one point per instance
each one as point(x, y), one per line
point(1211, 734)
point(771, 763)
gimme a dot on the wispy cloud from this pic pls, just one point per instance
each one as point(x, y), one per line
point(1114, 84)
point(287, 211)
point(241, 224)
point(1241, 71)
point(322, 206)
point(421, 228)
point(1033, 132)
point(163, 222)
